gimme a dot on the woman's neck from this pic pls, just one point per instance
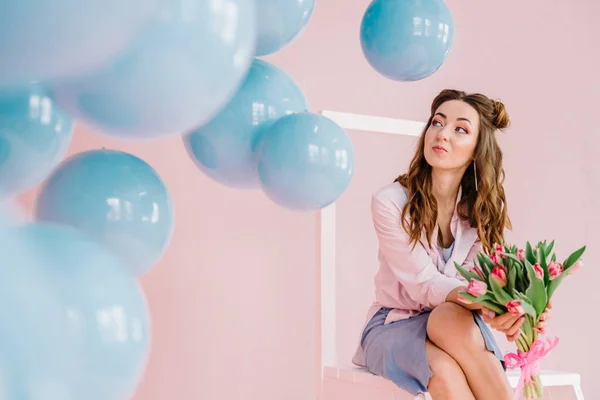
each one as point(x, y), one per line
point(445, 186)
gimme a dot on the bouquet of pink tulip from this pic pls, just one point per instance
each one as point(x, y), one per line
point(521, 282)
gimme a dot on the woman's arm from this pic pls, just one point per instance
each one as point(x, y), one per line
point(413, 267)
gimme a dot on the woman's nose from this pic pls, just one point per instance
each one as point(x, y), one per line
point(444, 133)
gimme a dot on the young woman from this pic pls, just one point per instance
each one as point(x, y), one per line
point(449, 206)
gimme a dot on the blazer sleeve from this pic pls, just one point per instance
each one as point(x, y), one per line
point(413, 268)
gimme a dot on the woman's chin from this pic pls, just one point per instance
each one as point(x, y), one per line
point(436, 162)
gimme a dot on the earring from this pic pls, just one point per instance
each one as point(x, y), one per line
point(475, 174)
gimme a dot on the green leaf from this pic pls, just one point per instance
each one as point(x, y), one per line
point(521, 283)
point(529, 254)
point(572, 259)
point(544, 266)
point(536, 292)
point(522, 280)
point(477, 269)
point(553, 257)
point(513, 257)
point(543, 257)
point(488, 302)
point(527, 306)
point(468, 296)
point(487, 296)
point(512, 277)
point(518, 268)
point(485, 263)
point(498, 309)
point(553, 285)
point(501, 296)
point(468, 275)
point(527, 329)
point(549, 248)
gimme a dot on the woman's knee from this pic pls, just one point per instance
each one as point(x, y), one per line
point(448, 377)
point(451, 324)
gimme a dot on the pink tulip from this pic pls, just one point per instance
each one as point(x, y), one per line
point(554, 270)
point(477, 288)
point(539, 272)
point(521, 254)
point(499, 248)
point(515, 308)
point(575, 267)
point(499, 274)
point(496, 258)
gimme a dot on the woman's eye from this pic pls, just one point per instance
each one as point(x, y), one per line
point(436, 123)
point(461, 130)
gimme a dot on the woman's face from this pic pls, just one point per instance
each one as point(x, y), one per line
point(451, 138)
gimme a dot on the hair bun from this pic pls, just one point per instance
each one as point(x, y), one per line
point(501, 118)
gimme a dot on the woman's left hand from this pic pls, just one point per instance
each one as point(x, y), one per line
point(541, 325)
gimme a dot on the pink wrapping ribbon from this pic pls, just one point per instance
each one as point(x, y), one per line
point(529, 361)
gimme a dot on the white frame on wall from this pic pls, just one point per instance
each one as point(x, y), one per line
point(326, 237)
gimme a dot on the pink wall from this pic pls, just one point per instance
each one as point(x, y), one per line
point(223, 335)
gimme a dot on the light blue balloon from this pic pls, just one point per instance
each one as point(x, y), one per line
point(406, 40)
point(35, 135)
point(45, 40)
point(116, 198)
point(224, 149)
point(37, 357)
point(305, 161)
point(280, 22)
point(104, 308)
point(185, 66)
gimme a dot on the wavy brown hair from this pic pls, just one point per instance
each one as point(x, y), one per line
point(484, 208)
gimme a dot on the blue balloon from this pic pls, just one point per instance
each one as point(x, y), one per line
point(406, 40)
point(305, 161)
point(115, 197)
point(280, 22)
point(224, 149)
point(47, 40)
point(104, 309)
point(35, 135)
point(37, 356)
point(185, 66)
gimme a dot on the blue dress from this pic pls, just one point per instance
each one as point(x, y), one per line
point(397, 351)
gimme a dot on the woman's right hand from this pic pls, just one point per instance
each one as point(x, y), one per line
point(507, 323)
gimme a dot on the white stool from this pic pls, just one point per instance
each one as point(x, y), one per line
point(352, 383)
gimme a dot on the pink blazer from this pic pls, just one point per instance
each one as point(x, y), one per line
point(412, 280)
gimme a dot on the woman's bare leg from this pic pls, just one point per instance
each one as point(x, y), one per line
point(453, 329)
point(448, 381)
